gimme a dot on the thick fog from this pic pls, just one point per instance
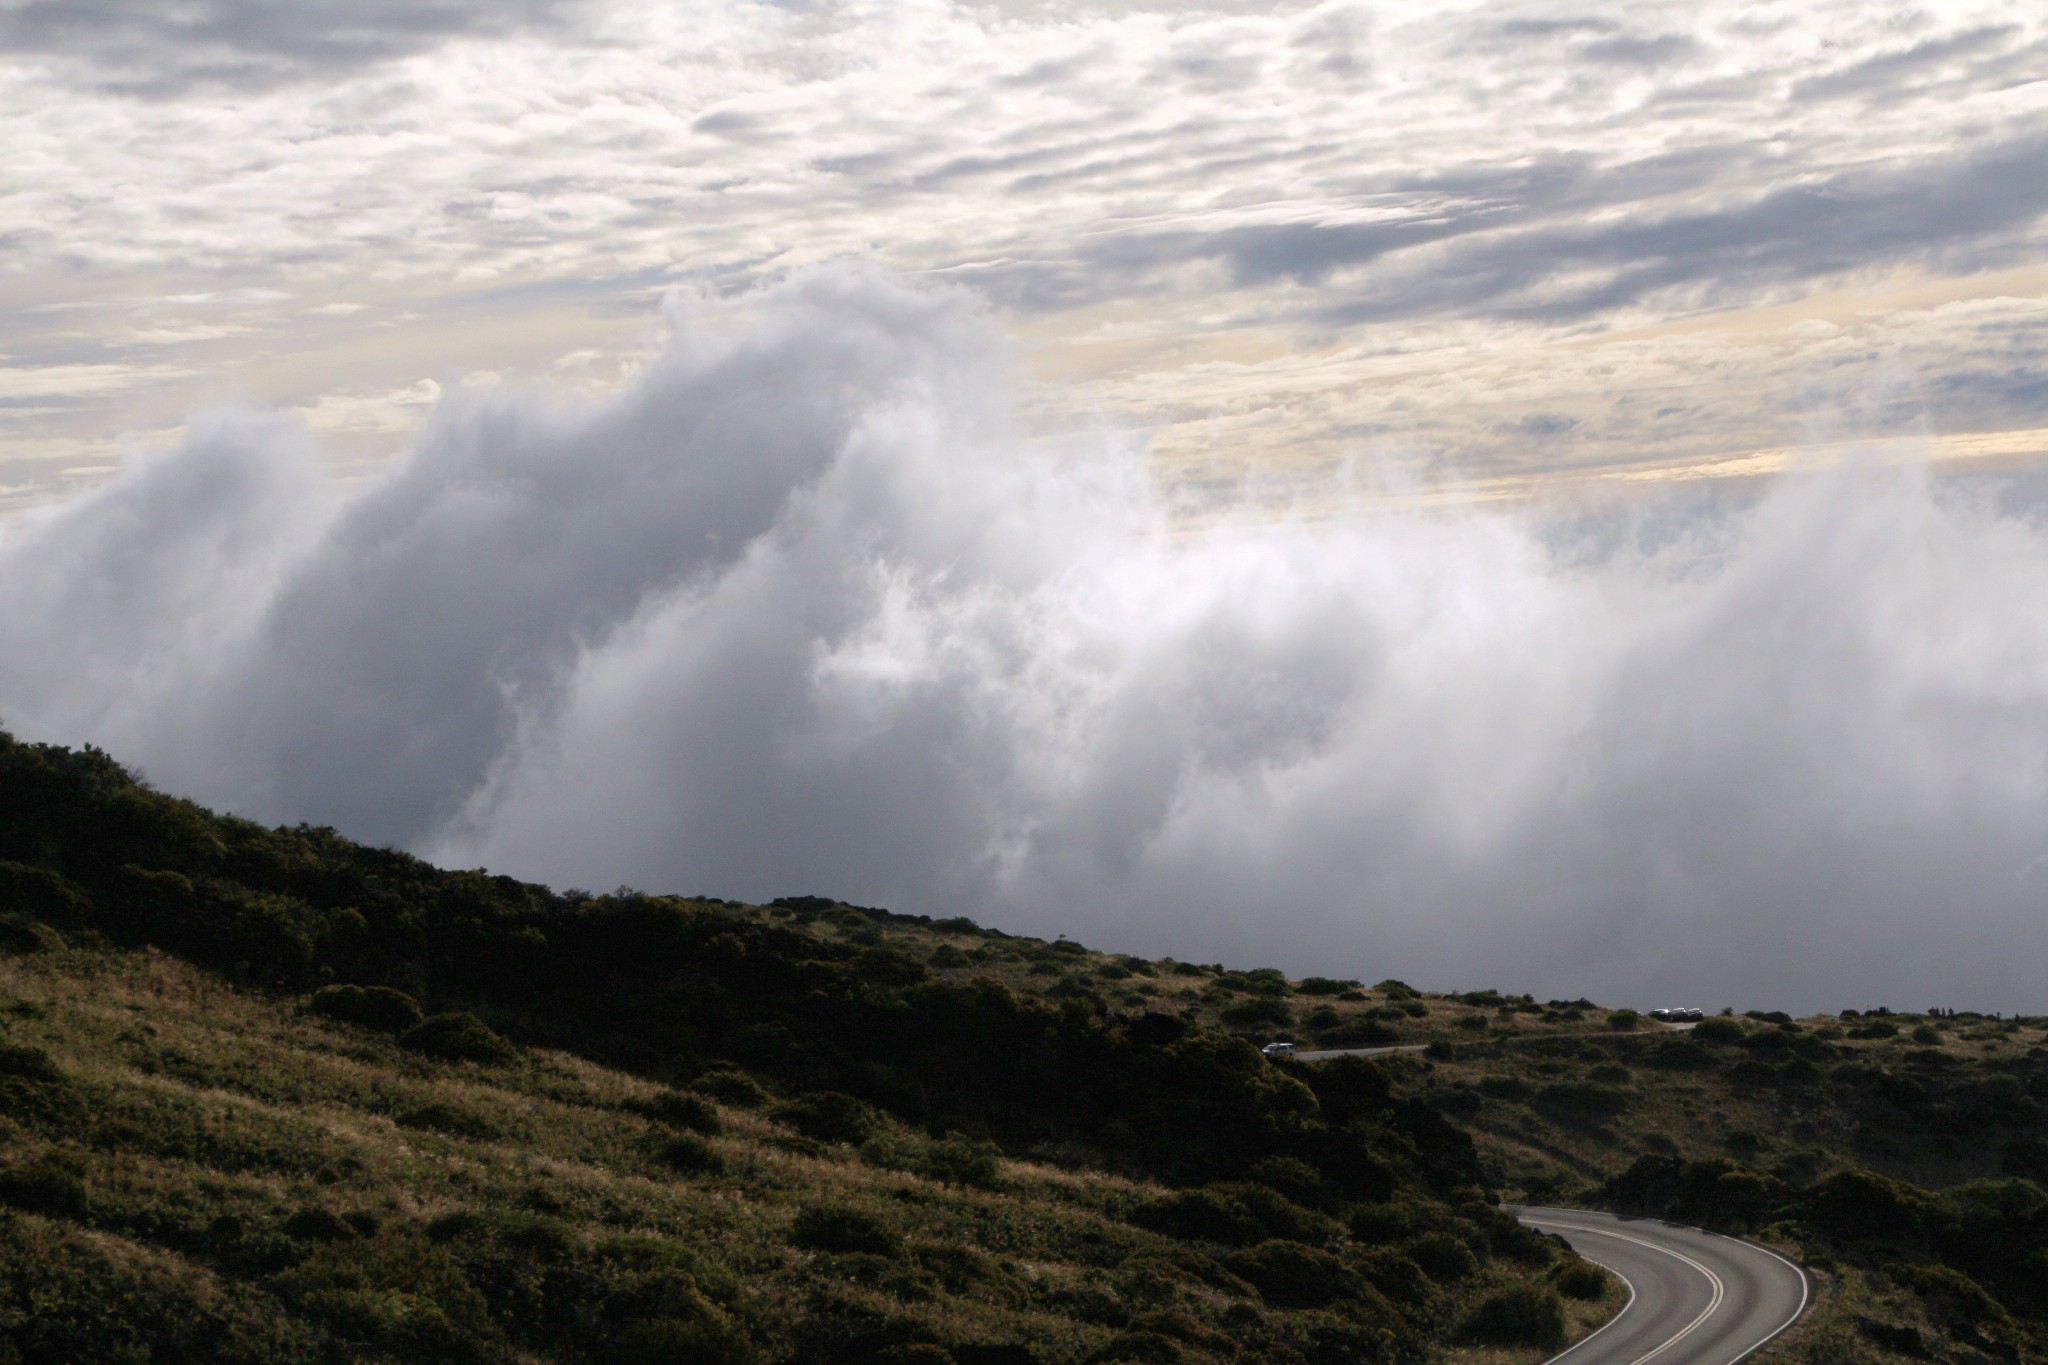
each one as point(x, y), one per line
point(803, 612)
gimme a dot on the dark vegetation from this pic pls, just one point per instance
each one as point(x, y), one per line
point(268, 1095)
point(1901, 1156)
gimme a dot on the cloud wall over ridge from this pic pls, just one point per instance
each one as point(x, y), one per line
point(801, 612)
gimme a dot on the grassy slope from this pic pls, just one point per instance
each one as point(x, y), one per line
point(1896, 1155)
point(1052, 1149)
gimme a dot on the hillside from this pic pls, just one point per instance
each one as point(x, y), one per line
point(268, 1095)
point(271, 1095)
point(1898, 1154)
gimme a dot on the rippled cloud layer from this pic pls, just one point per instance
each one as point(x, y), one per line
point(1514, 238)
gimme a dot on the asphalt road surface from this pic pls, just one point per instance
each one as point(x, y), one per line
point(1324, 1054)
point(1694, 1298)
point(1329, 1052)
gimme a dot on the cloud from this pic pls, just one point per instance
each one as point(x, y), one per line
point(1887, 74)
point(1515, 242)
point(1245, 177)
point(159, 50)
point(801, 613)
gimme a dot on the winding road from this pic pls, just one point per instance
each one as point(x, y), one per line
point(1694, 1298)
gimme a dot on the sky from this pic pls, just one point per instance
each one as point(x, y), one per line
point(1507, 495)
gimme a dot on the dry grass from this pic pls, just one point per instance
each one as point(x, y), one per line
point(195, 1104)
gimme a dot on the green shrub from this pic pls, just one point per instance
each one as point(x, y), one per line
point(43, 895)
point(680, 1110)
point(1291, 1275)
point(961, 1160)
point(1582, 1101)
point(1582, 1280)
point(1142, 1347)
point(1718, 1030)
point(1520, 1315)
point(1323, 985)
point(707, 1340)
point(401, 1297)
point(1442, 1257)
point(1294, 1178)
point(458, 1038)
point(659, 1317)
point(46, 1187)
point(1621, 1021)
point(24, 937)
point(440, 1117)
point(1679, 1054)
point(1857, 1203)
point(729, 1085)
point(1259, 1012)
point(1359, 1033)
point(1234, 1214)
point(689, 1154)
point(29, 1064)
point(314, 1224)
point(1394, 1275)
point(836, 1228)
point(371, 1007)
point(1200, 1216)
point(829, 1116)
point(913, 1353)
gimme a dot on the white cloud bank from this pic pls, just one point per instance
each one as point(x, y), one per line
point(800, 613)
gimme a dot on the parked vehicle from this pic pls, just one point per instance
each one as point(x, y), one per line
point(1278, 1050)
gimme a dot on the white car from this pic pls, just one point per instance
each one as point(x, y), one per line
point(1278, 1049)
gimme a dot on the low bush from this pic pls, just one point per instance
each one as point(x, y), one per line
point(961, 1160)
point(439, 1117)
point(23, 937)
point(1291, 1275)
point(29, 1064)
point(1581, 1280)
point(829, 1116)
point(46, 1187)
point(1359, 1033)
point(315, 1224)
point(1442, 1257)
point(838, 1229)
point(730, 1085)
point(458, 1038)
point(679, 1110)
point(1520, 1315)
point(1259, 1012)
point(689, 1154)
point(1582, 1101)
point(371, 1007)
